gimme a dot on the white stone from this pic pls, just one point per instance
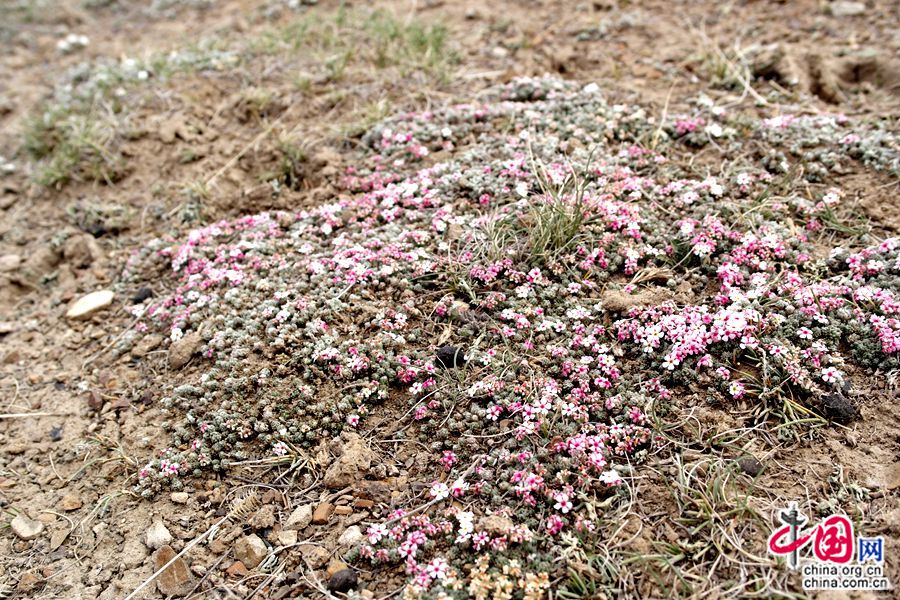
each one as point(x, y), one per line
point(300, 518)
point(351, 536)
point(26, 528)
point(10, 262)
point(88, 305)
point(847, 9)
point(287, 537)
point(250, 550)
point(157, 536)
point(133, 553)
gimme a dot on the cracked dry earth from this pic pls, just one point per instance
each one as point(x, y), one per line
point(312, 290)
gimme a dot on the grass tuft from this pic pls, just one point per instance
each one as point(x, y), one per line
point(76, 146)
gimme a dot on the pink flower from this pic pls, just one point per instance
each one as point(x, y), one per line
point(459, 488)
point(832, 375)
point(563, 504)
point(554, 524)
point(480, 539)
point(375, 532)
point(448, 459)
point(437, 569)
point(407, 550)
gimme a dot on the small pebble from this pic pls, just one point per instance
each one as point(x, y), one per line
point(70, 502)
point(750, 465)
point(87, 305)
point(450, 357)
point(25, 528)
point(342, 581)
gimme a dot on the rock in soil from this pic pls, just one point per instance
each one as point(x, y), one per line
point(351, 465)
point(28, 582)
point(87, 305)
point(250, 550)
point(133, 553)
point(750, 465)
point(287, 537)
point(10, 262)
point(450, 357)
point(81, 250)
point(300, 518)
point(263, 518)
point(180, 352)
point(238, 569)
point(495, 525)
point(351, 536)
point(142, 294)
point(342, 581)
point(70, 502)
point(893, 476)
point(57, 538)
point(176, 580)
point(846, 9)
point(617, 301)
point(313, 554)
point(157, 535)
point(838, 408)
point(25, 528)
point(322, 513)
point(146, 345)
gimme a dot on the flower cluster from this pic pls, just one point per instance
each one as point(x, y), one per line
point(583, 278)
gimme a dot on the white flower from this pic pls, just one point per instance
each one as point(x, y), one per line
point(375, 533)
point(439, 490)
point(610, 477)
point(831, 198)
point(713, 186)
point(522, 189)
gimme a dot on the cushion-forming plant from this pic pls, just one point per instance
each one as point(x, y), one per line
point(585, 271)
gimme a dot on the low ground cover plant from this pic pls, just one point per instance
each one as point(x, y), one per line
point(579, 274)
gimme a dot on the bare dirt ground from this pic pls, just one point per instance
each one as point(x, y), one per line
point(79, 420)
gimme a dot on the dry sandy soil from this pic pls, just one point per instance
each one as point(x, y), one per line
point(79, 421)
